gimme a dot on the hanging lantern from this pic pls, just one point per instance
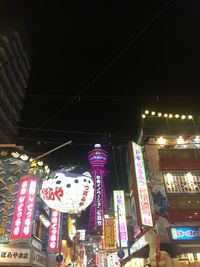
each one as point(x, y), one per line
point(68, 192)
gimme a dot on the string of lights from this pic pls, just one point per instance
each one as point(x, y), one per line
point(152, 113)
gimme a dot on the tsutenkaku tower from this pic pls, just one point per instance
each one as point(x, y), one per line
point(97, 159)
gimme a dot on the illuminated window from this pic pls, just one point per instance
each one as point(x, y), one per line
point(161, 141)
point(180, 140)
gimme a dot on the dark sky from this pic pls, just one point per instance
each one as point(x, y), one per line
point(96, 64)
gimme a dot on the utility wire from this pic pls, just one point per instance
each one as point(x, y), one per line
point(115, 168)
point(52, 130)
point(105, 69)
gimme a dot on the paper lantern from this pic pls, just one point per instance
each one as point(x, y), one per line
point(67, 192)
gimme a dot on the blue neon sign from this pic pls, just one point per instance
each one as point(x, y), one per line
point(185, 233)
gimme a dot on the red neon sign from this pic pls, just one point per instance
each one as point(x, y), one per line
point(54, 230)
point(22, 218)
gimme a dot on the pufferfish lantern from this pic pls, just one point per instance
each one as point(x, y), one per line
point(68, 192)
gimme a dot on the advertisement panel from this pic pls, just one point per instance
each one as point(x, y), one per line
point(120, 217)
point(54, 231)
point(109, 233)
point(141, 193)
point(25, 203)
point(189, 233)
point(14, 255)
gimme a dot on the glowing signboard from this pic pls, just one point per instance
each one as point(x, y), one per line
point(120, 217)
point(109, 233)
point(140, 243)
point(68, 192)
point(23, 214)
point(54, 230)
point(142, 190)
point(185, 233)
point(98, 202)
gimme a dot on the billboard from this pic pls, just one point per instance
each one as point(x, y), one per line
point(140, 189)
point(189, 233)
point(54, 231)
point(109, 233)
point(120, 217)
point(24, 209)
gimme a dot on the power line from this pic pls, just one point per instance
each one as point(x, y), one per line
point(105, 69)
point(53, 130)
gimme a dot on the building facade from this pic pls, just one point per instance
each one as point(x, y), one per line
point(170, 145)
point(15, 67)
point(24, 218)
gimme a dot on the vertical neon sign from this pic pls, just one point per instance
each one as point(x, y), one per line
point(98, 202)
point(29, 208)
point(22, 218)
point(54, 230)
point(120, 217)
point(142, 193)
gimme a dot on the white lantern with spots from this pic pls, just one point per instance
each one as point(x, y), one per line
point(68, 192)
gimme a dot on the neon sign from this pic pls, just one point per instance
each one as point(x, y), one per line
point(98, 202)
point(185, 233)
point(54, 230)
point(23, 214)
point(120, 217)
point(142, 190)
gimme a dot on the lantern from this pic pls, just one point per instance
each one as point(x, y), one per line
point(67, 192)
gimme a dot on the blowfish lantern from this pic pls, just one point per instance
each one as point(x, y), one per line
point(68, 192)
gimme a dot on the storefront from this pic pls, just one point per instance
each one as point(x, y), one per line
point(21, 256)
point(186, 243)
point(139, 253)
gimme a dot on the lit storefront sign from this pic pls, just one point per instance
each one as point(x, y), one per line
point(68, 194)
point(140, 243)
point(190, 233)
point(23, 214)
point(54, 231)
point(14, 255)
point(109, 233)
point(120, 217)
point(99, 207)
point(143, 207)
point(21, 256)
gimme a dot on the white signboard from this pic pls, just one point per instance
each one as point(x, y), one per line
point(14, 255)
point(120, 217)
point(113, 260)
point(142, 189)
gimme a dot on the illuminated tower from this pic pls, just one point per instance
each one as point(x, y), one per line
point(97, 158)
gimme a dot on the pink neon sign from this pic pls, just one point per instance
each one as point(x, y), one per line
point(143, 194)
point(54, 230)
point(29, 209)
point(22, 218)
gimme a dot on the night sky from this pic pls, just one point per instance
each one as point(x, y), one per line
point(96, 64)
